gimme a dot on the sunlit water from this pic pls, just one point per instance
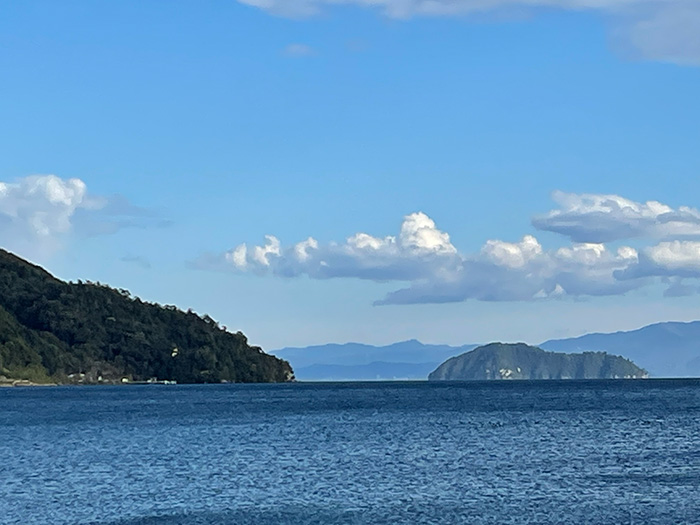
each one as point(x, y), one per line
point(506, 452)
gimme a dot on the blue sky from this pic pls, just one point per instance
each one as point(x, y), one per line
point(143, 143)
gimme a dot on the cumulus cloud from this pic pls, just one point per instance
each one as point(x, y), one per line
point(523, 271)
point(605, 218)
point(420, 250)
point(42, 206)
point(38, 212)
point(513, 255)
point(423, 256)
point(655, 29)
point(667, 259)
point(675, 256)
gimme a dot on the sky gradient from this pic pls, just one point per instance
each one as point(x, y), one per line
point(457, 171)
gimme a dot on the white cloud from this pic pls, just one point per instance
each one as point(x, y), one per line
point(260, 254)
point(419, 251)
point(675, 255)
point(604, 218)
point(420, 235)
point(667, 259)
point(512, 255)
point(42, 206)
point(656, 29)
point(304, 249)
point(523, 272)
point(38, 212)
point(423, 255)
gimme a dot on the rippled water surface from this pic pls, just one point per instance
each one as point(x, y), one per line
point(501, 452)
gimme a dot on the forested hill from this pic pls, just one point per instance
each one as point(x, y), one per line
point(53, 331)
point(521, 361)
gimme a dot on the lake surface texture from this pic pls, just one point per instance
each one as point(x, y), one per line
point(504, 452)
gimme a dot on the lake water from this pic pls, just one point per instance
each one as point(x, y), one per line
point(499, 452)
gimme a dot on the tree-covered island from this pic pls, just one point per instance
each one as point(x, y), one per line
point(521, 361)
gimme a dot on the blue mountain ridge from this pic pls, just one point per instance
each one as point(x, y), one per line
point(356, 361)
point(670, 349)
point(667, 349)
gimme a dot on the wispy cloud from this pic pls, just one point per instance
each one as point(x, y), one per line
point(655, 29)
point(137, 260)
point(298, 50)
point(666, 31)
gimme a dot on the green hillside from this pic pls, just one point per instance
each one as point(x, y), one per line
point(520, 361)
point(53, 331)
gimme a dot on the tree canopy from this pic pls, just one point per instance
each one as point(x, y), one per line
point(521, 361)
point(52, 330)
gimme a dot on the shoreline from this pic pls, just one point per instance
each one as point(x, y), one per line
point(20, 383)
point(23, 383)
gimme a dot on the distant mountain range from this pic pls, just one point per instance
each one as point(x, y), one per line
point(359, 362)
point(669, 349)
point(664, 349)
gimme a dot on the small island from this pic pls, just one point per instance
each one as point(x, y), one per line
point(520, 361)
point(54, 332)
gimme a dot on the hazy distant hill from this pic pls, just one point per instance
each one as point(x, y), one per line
point(521, 361)
point(664, 349)
point(354, 361)
point(51, 330)
point(377, 371)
